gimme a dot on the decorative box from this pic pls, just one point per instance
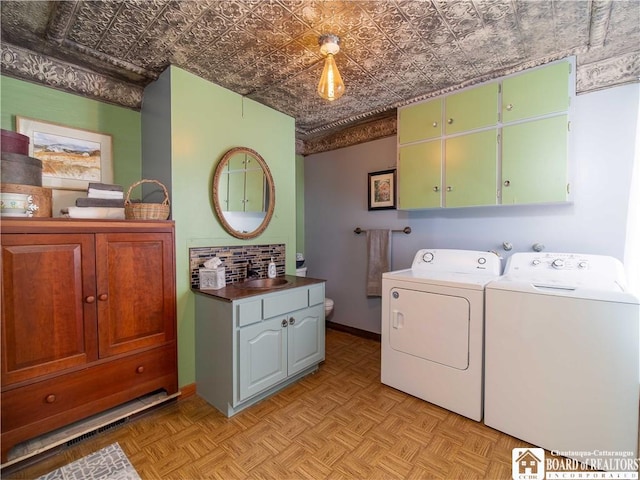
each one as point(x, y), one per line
point(212, 278)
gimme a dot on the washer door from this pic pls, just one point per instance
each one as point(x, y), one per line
point(431, 326)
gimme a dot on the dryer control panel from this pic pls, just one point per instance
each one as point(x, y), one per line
point(456, 261)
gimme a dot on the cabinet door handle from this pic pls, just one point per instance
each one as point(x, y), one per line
point(50, 398)
point(450, 121)
point(435, 124)
point(140, 369)
point(449, 189)
point(102, 297)
point(284, 323)
point(292, 321)
point(509, 107)
point(436, 188)
point(90, 299)
point(507, 183)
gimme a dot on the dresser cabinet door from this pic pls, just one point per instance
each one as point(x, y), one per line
point(48, 304)
point(135, 291)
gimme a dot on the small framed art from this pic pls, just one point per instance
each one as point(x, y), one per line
point(71, 157)
point(382, 190)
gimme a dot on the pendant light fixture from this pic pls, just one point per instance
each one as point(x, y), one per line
point(331, 86)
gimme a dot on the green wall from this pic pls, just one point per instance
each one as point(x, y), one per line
point(204, 121)
point(34, 101)
point(207, 120)
point(300, 203)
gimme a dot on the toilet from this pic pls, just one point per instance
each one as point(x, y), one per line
point(328, 303)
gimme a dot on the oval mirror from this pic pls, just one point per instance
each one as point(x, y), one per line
point(243, 193)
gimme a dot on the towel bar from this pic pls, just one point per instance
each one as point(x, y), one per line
point(406, 230)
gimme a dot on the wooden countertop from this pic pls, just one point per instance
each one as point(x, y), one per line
point(235, 291)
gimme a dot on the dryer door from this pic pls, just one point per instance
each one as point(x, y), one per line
point(431, 326)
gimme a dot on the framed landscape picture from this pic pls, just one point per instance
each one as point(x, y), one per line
point(71, 157)
point(382, 190)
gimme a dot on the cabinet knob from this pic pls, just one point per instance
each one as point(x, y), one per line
point(434, 124)
point(292, 321)
point(509, 107)
point(507, 183)
point(140, 369)
point(450, 121)
point(436, 188)
point(102, 297)
point(284, 323)
point(50, 398)
point(90, 299)
point(449, 189)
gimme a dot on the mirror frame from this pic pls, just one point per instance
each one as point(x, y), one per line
point(270, 185)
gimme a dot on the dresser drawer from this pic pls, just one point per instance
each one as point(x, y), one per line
point(75, 395)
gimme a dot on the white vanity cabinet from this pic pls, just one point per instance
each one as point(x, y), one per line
point(251, 347)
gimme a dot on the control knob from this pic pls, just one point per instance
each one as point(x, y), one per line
point(535, 262)
point(428, 257)
point(482, 260)
point(558, 263)
point(583, 264)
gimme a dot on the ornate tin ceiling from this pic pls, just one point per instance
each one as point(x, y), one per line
point(392, 51)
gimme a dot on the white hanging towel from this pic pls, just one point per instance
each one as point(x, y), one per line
point(378, 259)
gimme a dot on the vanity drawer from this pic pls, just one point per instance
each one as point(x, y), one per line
point(60, 400)
point(316, 295)
point(285, 302)
point(249, 312)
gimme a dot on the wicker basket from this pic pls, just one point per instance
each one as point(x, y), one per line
point(146, 211)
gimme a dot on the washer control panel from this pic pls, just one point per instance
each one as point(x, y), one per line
point(456, 261)
point(569, 268)
point(559, 261)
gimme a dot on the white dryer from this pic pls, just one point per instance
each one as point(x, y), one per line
point(561, 356)
point(432, 327)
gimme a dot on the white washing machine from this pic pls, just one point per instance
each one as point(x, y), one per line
point(432, 327)
point(561, 356)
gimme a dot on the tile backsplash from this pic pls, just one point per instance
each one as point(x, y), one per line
point(234, 259)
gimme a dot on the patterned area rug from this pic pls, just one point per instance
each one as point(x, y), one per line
point(110, 463)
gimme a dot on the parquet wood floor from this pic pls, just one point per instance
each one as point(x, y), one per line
point(340, 423)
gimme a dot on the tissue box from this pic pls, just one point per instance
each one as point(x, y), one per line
point(212, 278)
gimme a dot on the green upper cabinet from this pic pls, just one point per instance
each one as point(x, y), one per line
point(472, 109)
point(471, 169)
point(421, 121)
point(235, 191)
point(419, 175)
point(534, 161)
point(242, 185)
point(254, 190)
point(237, 162)
point(537, 92)
point(503, 142)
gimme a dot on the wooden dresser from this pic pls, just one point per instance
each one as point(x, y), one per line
point(88, 319)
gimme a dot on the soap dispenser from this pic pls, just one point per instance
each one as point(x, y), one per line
point(271, 272)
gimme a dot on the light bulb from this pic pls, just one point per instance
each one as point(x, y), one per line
point(331, 86)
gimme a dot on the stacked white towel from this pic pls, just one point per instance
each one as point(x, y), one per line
point(105, 190)
point(93, 193)
point(103, 200)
